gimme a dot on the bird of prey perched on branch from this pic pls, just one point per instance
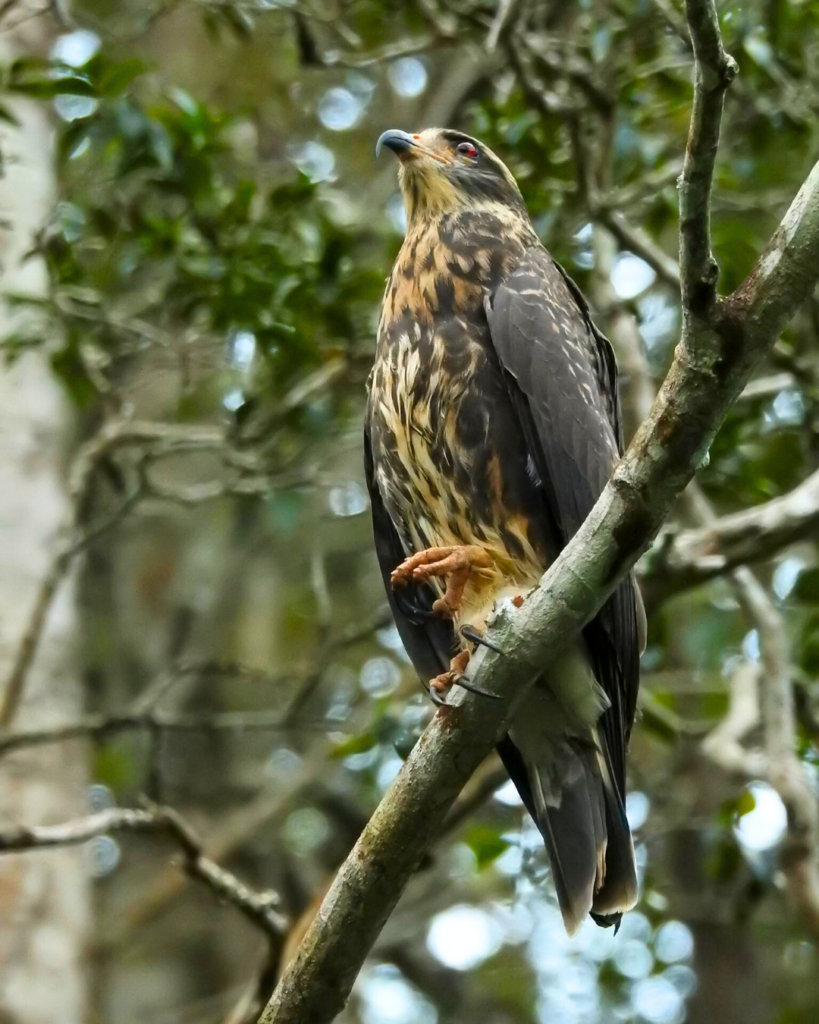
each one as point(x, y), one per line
point(493, 424)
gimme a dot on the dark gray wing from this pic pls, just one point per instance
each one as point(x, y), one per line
point(562, 380)
point(428, 639)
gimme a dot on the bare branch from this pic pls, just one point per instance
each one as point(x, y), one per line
point(768, 387)
point(389, 52)
point(73, 538)
point(142, 714)
point(686, 559)
point(243, 822)
point(785, 771)
point(103, 726)
point(714, 72)
point(326, 649)
point(723, 744)
point(644, 188)
point(260, 908)
point(780, 763)
point(579, 72)
point(503, 23)
point(637, 241)
point(637, 386)
point(545, 100)
point(244, 476)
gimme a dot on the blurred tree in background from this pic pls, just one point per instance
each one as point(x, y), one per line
point(200, 274)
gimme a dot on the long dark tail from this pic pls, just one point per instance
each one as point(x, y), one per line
point(580, 814)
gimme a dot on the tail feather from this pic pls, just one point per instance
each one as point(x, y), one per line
point(586, 834)
point(619, 891)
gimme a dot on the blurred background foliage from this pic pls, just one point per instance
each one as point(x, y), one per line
point(215, 261)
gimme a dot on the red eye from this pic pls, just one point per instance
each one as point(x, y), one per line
point(467, 149)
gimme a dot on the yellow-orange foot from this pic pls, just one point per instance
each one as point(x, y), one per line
point(440, 684)
point(456, 564)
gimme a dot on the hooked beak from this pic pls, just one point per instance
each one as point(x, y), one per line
point(396, 140)
point(403, 145)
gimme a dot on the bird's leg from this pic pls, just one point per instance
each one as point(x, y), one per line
point(456, 564)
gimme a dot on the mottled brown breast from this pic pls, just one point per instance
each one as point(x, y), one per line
point(449, 460)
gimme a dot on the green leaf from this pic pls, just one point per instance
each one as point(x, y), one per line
point(7, 116)
point(355, 745)
point(71, 372)
point(13, 345)
point(116, 77)
point(486, 843)
point(238, 19)
point(806, 587)
point(71, 139)
point(725, 861)
point(656, 723)
point(732, 810)
point(41, 79)
point(745, 804)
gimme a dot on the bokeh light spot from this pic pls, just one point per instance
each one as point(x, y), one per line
point(339, 110)
point(765, 825)
point(463, 937)
point(408, 76)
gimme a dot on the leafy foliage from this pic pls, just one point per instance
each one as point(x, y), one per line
point(168, 225)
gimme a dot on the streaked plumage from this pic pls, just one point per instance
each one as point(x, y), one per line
point(493, 422)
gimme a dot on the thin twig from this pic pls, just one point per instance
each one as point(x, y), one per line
point(143, 715)
point(154, 442)
point(326, 649)
point(260, 908)
point(637, 241)
point(74, 539)
point(643, 189)
point(102, 726)
point(224, 839)
point(577, 71)
point(503, 24)
point(547, 102)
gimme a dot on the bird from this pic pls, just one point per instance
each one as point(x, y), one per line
point(492, 425)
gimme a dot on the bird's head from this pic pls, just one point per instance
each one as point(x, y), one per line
point(444, 171)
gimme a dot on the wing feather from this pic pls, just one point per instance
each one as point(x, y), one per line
point(562, 380)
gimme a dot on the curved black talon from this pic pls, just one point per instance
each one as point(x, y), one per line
point(439, 702)
point(416, 614)
point(464, 684)
point(468, 632)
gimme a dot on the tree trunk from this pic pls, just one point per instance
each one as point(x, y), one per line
point(44, 897)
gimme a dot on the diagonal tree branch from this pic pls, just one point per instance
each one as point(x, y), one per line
point(638, 241)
